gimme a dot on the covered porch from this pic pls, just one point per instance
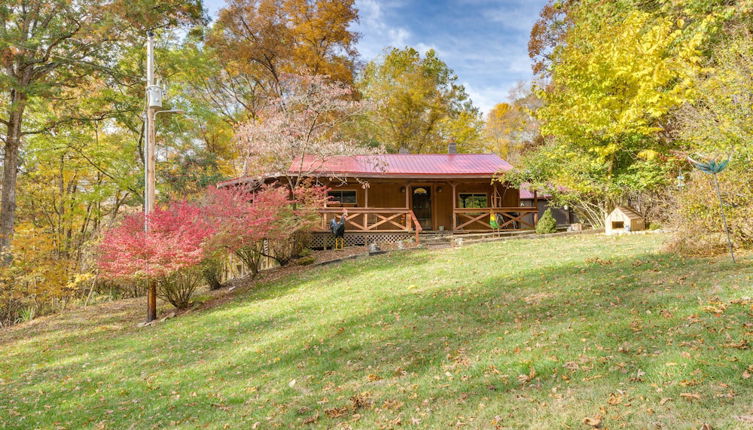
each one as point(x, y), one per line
point(391, 210)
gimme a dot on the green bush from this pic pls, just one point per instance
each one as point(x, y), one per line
point(547, 223)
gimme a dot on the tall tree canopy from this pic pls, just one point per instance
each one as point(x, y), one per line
point(51, 50)
point(511, 127)
point(255, 42)
point(418, 104)
point(611, 76)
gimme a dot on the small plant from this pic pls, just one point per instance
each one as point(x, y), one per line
point(27, 314)
point(178, 287)
point(547, 223)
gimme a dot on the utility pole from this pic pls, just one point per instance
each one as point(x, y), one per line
point(154, 102)
point(154, 95)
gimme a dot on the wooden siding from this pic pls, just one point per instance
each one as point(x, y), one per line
point(397, 194)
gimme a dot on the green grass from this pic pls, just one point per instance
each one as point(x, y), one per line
point(520, 334)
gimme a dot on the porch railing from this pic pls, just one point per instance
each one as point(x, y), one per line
point(508, 218)
point(373, 220)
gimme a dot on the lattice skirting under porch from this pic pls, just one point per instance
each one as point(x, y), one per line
point(320, 240)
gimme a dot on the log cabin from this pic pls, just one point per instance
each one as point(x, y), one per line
point(392, 197)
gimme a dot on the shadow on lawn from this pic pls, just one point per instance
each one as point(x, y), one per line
point(567, 303)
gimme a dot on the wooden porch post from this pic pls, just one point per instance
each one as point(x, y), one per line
point(407, 206)
point(366, 194)
point(536, 205)
point(407, 195)
point(454, 206)
point(495, 202)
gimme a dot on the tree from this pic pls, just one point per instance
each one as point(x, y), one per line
point(716, 124)
point(255, 43)
point(418, 104)
point(614, 82)
point(247, 218)
point(299, 131)
point(50, 46)
point(548, 33)
point(512, 128)
point(170, 253)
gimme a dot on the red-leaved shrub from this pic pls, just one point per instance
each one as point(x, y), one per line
point(175, 242)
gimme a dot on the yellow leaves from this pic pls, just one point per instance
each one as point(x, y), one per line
point(619, 77)
point(648, 154)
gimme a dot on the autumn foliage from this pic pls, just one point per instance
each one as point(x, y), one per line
point(186, 239)
point(175, 240)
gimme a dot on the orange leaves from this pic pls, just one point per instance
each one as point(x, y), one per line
point(262, 39)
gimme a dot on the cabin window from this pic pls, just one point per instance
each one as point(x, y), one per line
point(342, 197)
point(469, 200)
point(618, 225)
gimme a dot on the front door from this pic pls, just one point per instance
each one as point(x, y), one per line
point(422, 205)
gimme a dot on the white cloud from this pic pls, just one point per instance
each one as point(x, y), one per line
point(398, 37)
point(486, 97)
point(423, 47)
point(376, 32)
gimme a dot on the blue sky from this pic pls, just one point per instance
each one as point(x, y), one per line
point(484, 41)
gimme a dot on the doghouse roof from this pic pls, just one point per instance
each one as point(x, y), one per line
point(628, 212)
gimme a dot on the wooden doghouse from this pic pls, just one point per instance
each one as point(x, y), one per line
point(622, 220)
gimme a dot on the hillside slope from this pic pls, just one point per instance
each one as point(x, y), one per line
point(521, 334)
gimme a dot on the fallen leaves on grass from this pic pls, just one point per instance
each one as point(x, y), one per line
point(599, 261)
point(747, 373)
point(361, 400)
point(392, 404)
point(690, 396)
point(594, 422)
point(312, 419)
point(336, 412)
point(524, 379)
point(715, 307)
point(615, 399)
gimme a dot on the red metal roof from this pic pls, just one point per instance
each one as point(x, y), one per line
point(407, 165)
point(397, 165)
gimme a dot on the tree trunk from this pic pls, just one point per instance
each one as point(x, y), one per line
point(10, 169)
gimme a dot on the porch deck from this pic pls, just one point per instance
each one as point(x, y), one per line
point(367, 225)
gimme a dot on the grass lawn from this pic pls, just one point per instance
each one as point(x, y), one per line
point(520, 334)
